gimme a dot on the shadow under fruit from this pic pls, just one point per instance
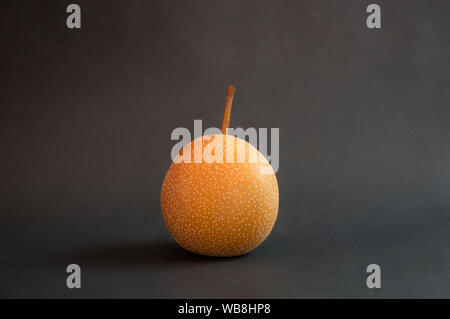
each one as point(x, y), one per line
point(225, 207)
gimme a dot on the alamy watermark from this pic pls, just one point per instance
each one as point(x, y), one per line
point(74, 279)
point(211, 146)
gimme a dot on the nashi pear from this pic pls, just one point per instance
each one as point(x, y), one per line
point(220, 208)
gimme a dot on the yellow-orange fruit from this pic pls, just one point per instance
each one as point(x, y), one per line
point(220, 209)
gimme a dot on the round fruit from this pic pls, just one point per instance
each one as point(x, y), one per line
point(225, 207)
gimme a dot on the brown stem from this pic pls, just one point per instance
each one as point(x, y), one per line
point(226, 115)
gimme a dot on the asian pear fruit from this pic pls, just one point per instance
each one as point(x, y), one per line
point(223, 207)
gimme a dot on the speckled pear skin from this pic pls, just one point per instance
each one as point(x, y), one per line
point(220, 209)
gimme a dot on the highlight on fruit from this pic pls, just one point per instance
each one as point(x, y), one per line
point(220, 194)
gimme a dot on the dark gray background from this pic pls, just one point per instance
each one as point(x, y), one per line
point(85, 124)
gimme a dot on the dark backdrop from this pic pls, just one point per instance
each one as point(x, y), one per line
point(85, 124)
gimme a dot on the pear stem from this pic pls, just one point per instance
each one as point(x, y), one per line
point(226, 115)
